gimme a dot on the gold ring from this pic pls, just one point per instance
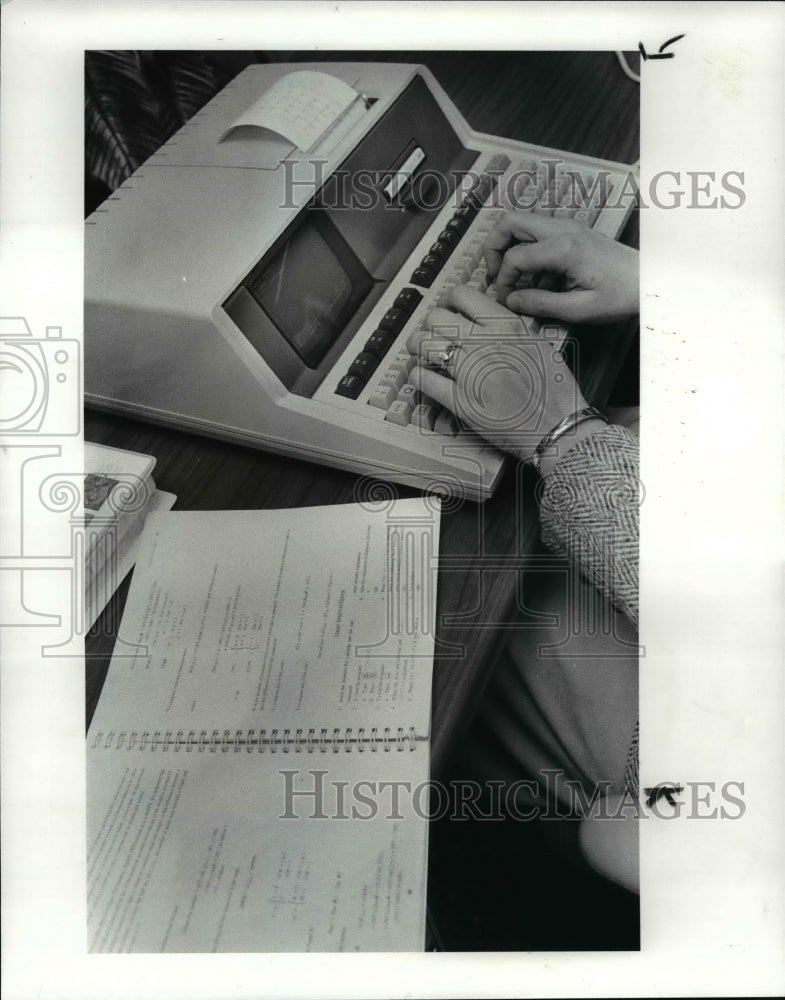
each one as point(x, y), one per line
point(440, 360)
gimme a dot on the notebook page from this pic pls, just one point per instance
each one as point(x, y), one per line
point(301, 621)
point(256, 852)
point(301, 107)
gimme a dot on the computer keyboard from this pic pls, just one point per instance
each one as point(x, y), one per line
point(372, 377)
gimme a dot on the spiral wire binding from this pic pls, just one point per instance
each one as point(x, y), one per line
point(348, 740)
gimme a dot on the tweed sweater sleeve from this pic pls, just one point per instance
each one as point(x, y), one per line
point(589, 511)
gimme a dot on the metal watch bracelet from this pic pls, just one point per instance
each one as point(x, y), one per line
point(564, 427)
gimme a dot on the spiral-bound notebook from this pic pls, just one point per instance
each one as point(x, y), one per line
point(258, 760)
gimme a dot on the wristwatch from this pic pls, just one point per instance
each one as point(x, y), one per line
point(564, 427)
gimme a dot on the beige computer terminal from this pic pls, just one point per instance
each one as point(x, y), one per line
point(257, 278)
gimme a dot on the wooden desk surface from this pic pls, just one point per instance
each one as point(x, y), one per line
point(578, 101)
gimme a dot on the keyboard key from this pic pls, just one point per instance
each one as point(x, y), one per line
point(482, 187)
point(364, 365)
point(464, 268)
point(350, 386)
point(432, 262)
point(446, 424)
point(467, 212)
point(399, 413)
point(423, 276)
point(498, 163)
point(393, 320)
point(408, 300)
point(403, 361)
point(424, 416)
point(447, 287)
point(469, 182)
point(408, 394)
point(449, 236)
point(382, 396)
point(394, 378)
point(441, 249)
point(482, 230)
point(473, 249)
point(550, 199)
point(380, 342)
point(458, 226)
point(480, 192)
point(476, 200)
point(522, 190)
point(528, 163)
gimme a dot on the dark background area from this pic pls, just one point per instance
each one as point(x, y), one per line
point(135, 101)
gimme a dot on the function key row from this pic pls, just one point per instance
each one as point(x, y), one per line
point(394, 320)
point(482, 186)
point(379, 343)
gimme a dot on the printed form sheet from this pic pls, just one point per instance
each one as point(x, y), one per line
point(212, 851)
point(310, 619)
point(258, 761)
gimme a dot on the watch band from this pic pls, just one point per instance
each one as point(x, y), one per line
point(564, 427)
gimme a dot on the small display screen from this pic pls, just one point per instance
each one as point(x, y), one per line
point(310, 288)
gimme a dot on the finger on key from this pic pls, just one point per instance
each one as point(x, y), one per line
point(457, 331)
point(442, 325)
point(531, 258)
point(437, 386)
point(521, 227)
point(436, 352)
point(479, 308)
point(449, 324)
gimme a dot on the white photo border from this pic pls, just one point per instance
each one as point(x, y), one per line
point(713, 907)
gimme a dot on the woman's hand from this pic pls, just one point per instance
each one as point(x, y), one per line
point(511, 386)
point(600, 276)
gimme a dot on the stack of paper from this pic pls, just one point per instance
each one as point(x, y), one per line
point(119, 493)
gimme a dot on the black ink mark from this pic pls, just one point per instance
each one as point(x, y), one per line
point(661, 53)
point(662, 791)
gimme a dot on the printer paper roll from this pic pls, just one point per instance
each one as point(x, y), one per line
point(301, 107)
